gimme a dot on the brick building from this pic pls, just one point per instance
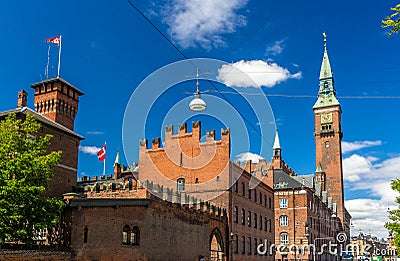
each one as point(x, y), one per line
point(204, 170)
point(56, 105)
point(115, 221)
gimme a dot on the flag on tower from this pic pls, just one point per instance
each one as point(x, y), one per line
point(102, 153)
point(55, 40)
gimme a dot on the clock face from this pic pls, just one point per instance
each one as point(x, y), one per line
point(326, 118)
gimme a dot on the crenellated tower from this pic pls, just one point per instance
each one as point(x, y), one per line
point(57, 100)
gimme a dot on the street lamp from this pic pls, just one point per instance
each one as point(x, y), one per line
point(197, 104)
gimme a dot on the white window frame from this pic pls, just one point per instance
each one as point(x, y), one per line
point(283, 203)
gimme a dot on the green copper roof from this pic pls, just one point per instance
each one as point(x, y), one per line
point(327, 92)
point(326, 71)
point(319, 168)
point(117, 159)
point(277, 144)
point(326, 101)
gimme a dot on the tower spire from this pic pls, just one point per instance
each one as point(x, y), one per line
point(277, 144)
point(326, 71)
point(117, 159)
point(327, 92)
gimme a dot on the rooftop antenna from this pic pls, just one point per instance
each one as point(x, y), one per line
point(197, 104)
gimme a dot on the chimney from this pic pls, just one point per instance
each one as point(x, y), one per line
point(22, 98)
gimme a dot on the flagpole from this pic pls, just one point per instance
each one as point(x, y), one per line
point(104, 167)
point(59, 58)
point(46, 71)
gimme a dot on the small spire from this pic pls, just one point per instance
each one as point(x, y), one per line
point(117, 159)
point(277, 144)
point(319, 168)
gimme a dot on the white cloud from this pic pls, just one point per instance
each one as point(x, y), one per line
point(371, 217)
point(92, 150)
point(203, 22)
point(355, 166)
point(371, 176)
point(255, 73)
point(276, 48)
point(357, 145)
point(248, 156)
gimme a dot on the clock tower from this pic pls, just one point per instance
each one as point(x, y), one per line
point(328, 136)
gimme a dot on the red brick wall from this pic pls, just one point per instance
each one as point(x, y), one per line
point(65, 174)
point(205, 166)
point(163, 227)
point(330, 156)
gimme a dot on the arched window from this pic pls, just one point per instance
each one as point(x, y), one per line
point(125, 235)
point(235, 186)
point(243, 216)
point(135, 236)
point(283, 221)
point(235, 214)
point(235, 244)
point(181, 184)
point(130, 236)
point(284, 238)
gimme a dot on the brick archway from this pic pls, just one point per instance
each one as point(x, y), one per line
point(216, 245)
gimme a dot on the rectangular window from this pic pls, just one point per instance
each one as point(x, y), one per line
point(283, 203)
point(269, 225)
point(249, 193)
point(265, 224)
point(243, 216)
point(255, 246)
point(235, 187)
point(255, 220)
point(261, 220)
point(249, 246)
point(235, 214)
point(249, 219)
point(243, 189)
point(243, 245)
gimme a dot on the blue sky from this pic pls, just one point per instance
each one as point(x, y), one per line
point(109, 49)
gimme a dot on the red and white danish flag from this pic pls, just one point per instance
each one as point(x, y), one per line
point(102, 153)
point(55, 40)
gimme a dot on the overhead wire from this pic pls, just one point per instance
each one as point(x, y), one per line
point(188, 59)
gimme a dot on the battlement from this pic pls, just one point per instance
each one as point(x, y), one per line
point(183, 136)
point(147, 190)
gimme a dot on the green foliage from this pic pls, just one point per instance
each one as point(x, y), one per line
point(25, 169)
point(394, 224)
point(393, 21)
